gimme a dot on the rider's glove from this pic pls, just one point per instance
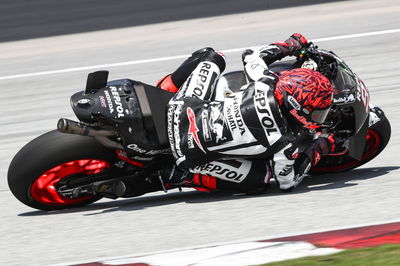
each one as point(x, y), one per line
point(322, 145)
point(296, 43)
point(325, 143)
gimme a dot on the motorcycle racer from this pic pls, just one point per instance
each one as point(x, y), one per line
point(234, 132)
point(240, 142)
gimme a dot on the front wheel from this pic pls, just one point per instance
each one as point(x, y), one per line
point(51, 157)
point(378, 136)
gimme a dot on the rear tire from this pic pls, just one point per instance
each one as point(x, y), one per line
point(51, 151)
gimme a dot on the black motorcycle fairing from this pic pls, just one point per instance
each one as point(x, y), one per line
point(132, 109)
point(110, 104)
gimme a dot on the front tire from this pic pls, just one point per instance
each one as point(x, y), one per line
point(378, 137)
point(49, 158)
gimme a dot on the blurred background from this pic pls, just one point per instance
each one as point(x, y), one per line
point(47, 48)
point(24, 19)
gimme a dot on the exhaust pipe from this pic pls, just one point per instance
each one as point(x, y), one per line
point(68, 126)
point(65, 125)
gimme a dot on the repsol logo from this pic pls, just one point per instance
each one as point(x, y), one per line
point(220, 171)
point(202, 78)
point(264, 112)
point(117, 101)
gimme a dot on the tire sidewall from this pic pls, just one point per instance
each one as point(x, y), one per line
point(45, 152)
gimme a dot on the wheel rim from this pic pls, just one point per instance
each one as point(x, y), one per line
point(43, 190)
point(373, 142)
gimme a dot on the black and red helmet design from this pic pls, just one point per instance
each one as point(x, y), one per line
point(306, 94)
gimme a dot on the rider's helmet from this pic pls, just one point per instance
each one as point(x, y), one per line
point(306, 95)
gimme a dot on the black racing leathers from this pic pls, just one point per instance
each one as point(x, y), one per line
point(242, 138)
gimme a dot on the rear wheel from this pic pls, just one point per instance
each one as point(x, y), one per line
point(51, 157)
point(378, 136)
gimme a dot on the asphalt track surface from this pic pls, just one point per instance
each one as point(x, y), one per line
point(23, 19)
point(32, 104)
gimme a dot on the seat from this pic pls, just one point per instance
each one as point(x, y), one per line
point(153, 104)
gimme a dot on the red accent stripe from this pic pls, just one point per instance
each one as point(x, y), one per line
point(122, 155)
point(368, 236)
point(167, 84)
point(204, 182)
point(281, 43)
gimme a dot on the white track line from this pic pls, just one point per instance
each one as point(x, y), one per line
point(254, 239)
point(160, 59)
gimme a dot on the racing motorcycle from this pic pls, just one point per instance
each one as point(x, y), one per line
point(67, 167)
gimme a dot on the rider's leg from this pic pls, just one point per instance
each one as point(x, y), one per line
point(196, 76)
point(240, 175)
point(184, 110)
point(174, 81)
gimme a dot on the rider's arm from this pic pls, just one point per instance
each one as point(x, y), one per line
point(256, 61)
point(282, 166)
point(290, 167)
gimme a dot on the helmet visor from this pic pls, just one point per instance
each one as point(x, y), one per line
point(319, 116)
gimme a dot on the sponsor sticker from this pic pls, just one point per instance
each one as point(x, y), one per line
point(193, 129)
point(234, 117)
point(286, 170)
point(364, 95)
point(173, 121)
point(344, 99)
point(264, 112)
point(140, 150)
point(204, 72)
point(217, 123)
point(206, 129)
point(109, 101)
point(224, 170)
point(102, 100)
point(294, 103)
point(117, 101)
point(114, 101)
